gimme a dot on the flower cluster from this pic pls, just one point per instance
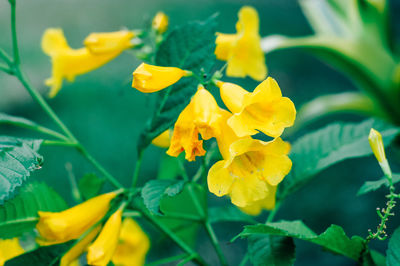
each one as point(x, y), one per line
point(251, 169)
point(122, 242)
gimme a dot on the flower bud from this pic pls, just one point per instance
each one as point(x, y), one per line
point(160, 22)
point(376, 143)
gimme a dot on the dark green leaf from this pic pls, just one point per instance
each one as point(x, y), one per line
point(370, 186)
point(393, 251)
point(18, 158)
point(318, 150)
point(90, 185)
point(49, 255)
point(228, 214)
point(266, 250)
point(190, 47)
point(20, 214)
point(154, 190)
point(373, 258)
point(333, 239)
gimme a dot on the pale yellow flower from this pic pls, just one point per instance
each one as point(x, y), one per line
point(102, 249)
point(67, 63)
point(160, 22)
point(58, 227)
point(163, 140)
point(132, 246)
point(264, 109)
point(200, 116)
point(242, 50)
point(148, 78)
point(268, 203)
point(9, 248)
point(376, 143)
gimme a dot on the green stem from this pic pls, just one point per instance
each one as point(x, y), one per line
point(6, 69)
point(137, 169)
point(14, 32)
point(245, 259)
point(6, 58)
point(215, 243)
point(272, 213)
point(132, 214)
point(167, 260)
point(185, 260)
point(58, 143)
point(76, 194)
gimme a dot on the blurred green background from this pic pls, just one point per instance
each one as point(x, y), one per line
point(106, 114)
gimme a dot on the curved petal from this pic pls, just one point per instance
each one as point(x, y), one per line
point(219, 180)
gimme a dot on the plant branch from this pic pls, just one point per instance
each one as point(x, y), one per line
point(137, 169)
point(167, 260)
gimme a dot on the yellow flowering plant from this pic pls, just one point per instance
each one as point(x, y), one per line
point(229, 154)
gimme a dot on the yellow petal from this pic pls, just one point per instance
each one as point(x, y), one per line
point(9, 248)
point(108, 42)
point(160, 22)
point(102, 249)
point(376, 143)
point(163, 140)
point(148, 78)
point(232, 95)
point(219, 180)
point(225, 43)
point(267, 203)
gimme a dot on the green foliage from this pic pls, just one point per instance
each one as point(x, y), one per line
point(370, 186)
point(18, 158)
point(266, 250)
point(393, 252)
point(181, 49)
point(21, 213)
point(169, 167)
point(228, 213)
point(48, 255)
point(90, 185)
point(320, 149)
point(333, 239)
point(373, 258)
point(154, 190)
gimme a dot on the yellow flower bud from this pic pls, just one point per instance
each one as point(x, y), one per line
point(132, 246)
point(376, 143)
point(9, 248)
point(58, 227)
point(99, 49)
point(160, 22)
point(148, 78)
point(163, 140)
point(102, 249)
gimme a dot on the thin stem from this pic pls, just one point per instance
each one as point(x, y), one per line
point(214, 241)
point(6, 69)
point(186, 260)
point(14, 33)
point(72, 180)
point(137, 169)
point(245, 259)
point(6, 58)
point(58, 143)
point(167, 260)
point(272, 214)
point(132, 214)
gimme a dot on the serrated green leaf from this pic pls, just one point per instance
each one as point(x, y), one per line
point(228, 214)
point(48, 255)
point(18, 158)
point(90, 185)
point(190, 47)
point(393, 251)
point(20, 214)
point(320, 149)
point(154, 190)
point(266, 250)
point(333, 239)
point(370, 186)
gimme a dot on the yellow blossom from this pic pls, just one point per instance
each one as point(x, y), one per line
point(133, 245)
point(9, 248)
point(267, 203)
point(163, 140)
point(160, 22)
point(200, 116)
point(242, 50)
point(103, 248)
point(67, 63)
point(148, 78)
point(264, 109)
point(376, 143)
point(58, 227)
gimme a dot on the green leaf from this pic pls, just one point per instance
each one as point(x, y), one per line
point(370, 186)
point(373, 258)
point(18, 158)
point(21, 213)
point(266, 250)
point(228, 214)
point(169, 167)
point(189, 47)
point(48, 255)
point(90, 185)
point(320, 149)
point(393, 251)
point(154, 190)
point(333, 239)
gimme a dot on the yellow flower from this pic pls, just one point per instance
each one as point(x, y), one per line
point(133, 245)
point(376, 143)
point(70, 224)
point(163, 140)
point(9, 248)
point(267, 203)
point(200, 116)
point(242, 50)
point(148, 78)
point(67, 63)
point(73, 254)
point(160, 22)
point(264, 109)
point(102, 249)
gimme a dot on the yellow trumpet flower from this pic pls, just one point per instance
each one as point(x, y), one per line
point(102, 249)
point(9, 248)
point(132, 246)
point(242, 50)
point(264, 109)
point(99, 49)
point(148, 78)
point(200, 116)
point(58, 227)
point(160, 22)
point(268, 203)
point(163, 140)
